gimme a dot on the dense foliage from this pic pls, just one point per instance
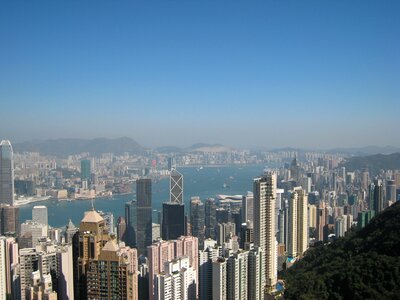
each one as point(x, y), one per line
point(363, 265)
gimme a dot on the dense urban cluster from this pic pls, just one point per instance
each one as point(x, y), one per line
point(229, 247)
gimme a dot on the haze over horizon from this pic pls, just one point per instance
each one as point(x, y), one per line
point(309, 75)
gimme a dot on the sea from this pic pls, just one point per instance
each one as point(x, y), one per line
point(206, 182)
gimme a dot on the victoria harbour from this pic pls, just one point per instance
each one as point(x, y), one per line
point(202, 182)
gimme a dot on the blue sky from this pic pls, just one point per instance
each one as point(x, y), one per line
point(244, 73)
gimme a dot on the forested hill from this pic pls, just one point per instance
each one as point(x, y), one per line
point(364, 265)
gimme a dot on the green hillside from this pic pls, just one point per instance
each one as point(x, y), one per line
point(364, 265)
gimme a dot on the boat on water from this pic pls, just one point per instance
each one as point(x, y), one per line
point(26, 200)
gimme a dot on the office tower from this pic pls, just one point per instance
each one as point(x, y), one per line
point(144, 215)
point(9, 219)
point(29, 262)
point(162, 251)
point(264, 224)
point(173, 220)
point(364, 179)
point(6, 173)
point(85, 170)
point(321, 221)
point(39, 214)
point(178, 281)
point(224, 232)
point(176, 187)
point(391, 191)
point(364, 217)
point(70, 231)
point(237, 275)
point(223, 215)
point(207, 255)
point(171, 163)
point(294, 170)
point(88, 243)
point(256, 276)
point(113, 274)
point(197, 219)
point(121, 229)
point(131, 223)
point(246, 235)
point(247, 207)
point(219, 279)
point(210, 217)
point(378, 201)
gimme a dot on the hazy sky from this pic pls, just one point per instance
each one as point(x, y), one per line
point(242, 73)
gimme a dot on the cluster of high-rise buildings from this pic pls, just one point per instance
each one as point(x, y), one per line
point(230, 247)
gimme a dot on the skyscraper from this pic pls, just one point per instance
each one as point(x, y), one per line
point(173, 220)
point(86, 170)
point(6, 173)
point(113, 275)
point(210, 217)
point(3, 269)
point(247, 208)
point(39, 214)
point(197, 219)
point(298, 223)
point(219, 290)
point(256, 280)
point(176, 187)
point(378, 202)
point(264, 224)
point(9, 219)
point(144, 215)
point(92, 236)
point(131, 223)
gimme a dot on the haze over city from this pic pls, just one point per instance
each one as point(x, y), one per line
point(308, 74)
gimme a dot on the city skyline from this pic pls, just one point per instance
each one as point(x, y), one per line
point(310, 74)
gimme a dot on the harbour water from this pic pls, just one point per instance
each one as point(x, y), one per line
point(205, 183)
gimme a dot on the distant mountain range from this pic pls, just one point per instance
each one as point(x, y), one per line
point(65, 147)
point(98, 146)
point(373, 163)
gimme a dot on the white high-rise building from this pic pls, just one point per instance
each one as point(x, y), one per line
point(36, 230)
point(3, 269)
point(210, 253)
point(247, 207)
point(39, 214)
point(264, 224)
point(256, 276)
point(237, 276)
point(178, 281)
point(219, 279)
point(298, 223)
point(6, 173)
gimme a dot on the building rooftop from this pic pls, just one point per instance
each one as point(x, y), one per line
point(92, 217)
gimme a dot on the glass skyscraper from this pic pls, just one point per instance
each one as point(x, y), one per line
point(6, 173)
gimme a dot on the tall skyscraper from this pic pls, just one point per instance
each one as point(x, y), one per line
point(197, 219)
point(113, 275)
point(144, 215)
point(39, 214)
point(264, 224)
point(3, 269)
point(131, 223)
point(176, 187)
point(256, 280)
point(9, 219)
point(173, 220)
point(298, 223)
point(6, 173)
point(378, 202)
point(247, 208)
point(121, 229)
point(321, 221)
point(219, 289)
point(237, 275)
point(210, 217)
point(86, 173)
point(92, 236)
